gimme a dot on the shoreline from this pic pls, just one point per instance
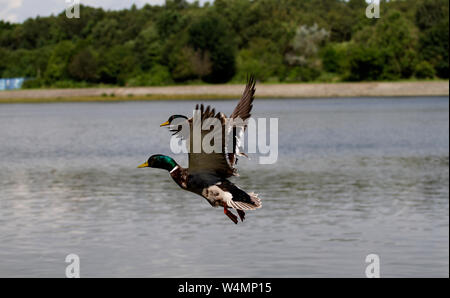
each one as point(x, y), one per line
point(204, 92)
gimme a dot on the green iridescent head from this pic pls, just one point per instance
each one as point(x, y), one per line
point(160, 161)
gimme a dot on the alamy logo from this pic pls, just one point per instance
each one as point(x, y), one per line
point(373, 269)
point(73, 269)
point(73, 9)
point(214, 135)
point(373, 10)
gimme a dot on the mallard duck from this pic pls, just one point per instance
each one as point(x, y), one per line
point(208, 173)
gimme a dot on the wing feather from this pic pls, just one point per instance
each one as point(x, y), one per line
point(223, 163)
point(215, 162)
point(245, 104)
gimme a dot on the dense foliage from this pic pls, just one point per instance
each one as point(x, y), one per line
point(277, 40)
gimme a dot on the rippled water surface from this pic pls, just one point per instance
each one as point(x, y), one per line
point(353, 177)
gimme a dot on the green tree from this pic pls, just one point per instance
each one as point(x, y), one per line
point(430, 12)
point(334, 57)
point(169, 22)
point(117, 64)
point(365, 63)
point(106, 32)
point(391, 42)
point(424, 70)
point(432, 17)
point(434, 46)
point(83, 66)
point(57, 63)
point(210, 34)
point(148, 47)
point(225, 40)
point(263, 59)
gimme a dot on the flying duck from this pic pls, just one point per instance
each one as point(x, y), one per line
point(208, 173)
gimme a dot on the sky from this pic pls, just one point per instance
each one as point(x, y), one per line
point(19, 10)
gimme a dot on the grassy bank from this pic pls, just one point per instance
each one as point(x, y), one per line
point(204, 92)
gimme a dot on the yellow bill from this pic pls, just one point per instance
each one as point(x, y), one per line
point(144, 165)
point(164, 124)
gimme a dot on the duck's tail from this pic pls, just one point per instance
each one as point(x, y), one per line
point(241, 206)
point(255, 199)
point(248, 202)
point(242, 203)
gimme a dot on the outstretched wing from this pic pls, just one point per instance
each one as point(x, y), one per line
point(200, 161)
point(223, 160)
point(241, 112)
point(244, 107)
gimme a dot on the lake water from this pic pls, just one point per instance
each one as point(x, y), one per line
point(354, 176)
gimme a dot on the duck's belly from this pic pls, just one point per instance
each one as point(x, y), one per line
point(208, 186)
point(217, 196)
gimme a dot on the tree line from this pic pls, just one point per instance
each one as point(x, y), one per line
point(277, 40)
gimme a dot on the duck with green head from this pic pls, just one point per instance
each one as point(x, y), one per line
point(208, 173)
